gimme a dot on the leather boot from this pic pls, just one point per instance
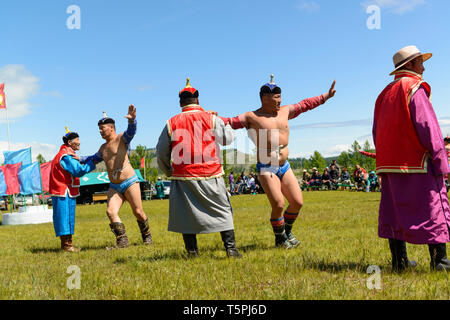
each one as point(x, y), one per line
point(66, 244)
point(399, 256)
point(145, 232)
point(438, 254)
point(229, 242)
point(190, 243)
point(119, 231)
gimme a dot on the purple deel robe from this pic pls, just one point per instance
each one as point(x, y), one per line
point(415, 207)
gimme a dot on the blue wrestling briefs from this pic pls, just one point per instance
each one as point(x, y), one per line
point(122, 187)
point(277, 170)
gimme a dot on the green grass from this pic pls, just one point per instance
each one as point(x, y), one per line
point(338, 231)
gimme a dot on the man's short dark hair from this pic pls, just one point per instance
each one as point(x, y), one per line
point(187, 101)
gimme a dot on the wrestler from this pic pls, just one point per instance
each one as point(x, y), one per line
point(269, 129)
point(124, 181)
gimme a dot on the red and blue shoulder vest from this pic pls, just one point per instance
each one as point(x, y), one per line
point(60, 179)
point(194, 151)
point(397, 145)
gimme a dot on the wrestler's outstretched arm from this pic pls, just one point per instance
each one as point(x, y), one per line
point(309, 104)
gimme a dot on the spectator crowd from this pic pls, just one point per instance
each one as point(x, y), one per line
point(333, 178)
point(244, 184)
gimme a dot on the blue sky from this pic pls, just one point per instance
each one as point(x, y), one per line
point(141, 52)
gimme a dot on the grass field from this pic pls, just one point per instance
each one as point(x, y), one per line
point(338, 231)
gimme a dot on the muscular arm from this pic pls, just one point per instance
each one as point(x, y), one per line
point(75, 168)
point(164, 152)
point(306, 105)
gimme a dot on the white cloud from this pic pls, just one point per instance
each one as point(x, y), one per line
point(20, 87)
point(146, 87)
point(53, 94)
point(395, 6)
point(308, 6)
point(48, 151)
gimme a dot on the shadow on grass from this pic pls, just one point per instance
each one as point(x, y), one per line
point(333, 266)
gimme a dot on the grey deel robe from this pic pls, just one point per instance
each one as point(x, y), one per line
point(197, 206)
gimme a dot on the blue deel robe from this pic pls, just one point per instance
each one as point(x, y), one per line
point(64, 207)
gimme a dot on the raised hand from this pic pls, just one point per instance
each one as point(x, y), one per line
point(332, 91)
point(131, 113)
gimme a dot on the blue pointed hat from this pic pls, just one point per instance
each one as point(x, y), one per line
point(270, 88)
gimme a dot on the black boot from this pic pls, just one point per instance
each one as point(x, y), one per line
point(438, 254)
point(229, 242)
point(190, 243)
point(399, 256)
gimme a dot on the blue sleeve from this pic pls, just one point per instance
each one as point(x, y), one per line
point(95, 158)
point(75, 168)
point(131, 131)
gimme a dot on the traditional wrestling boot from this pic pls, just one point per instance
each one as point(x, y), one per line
point(119, 231)
point(289, 219)
point(438, 254)
point(190, 243)
point(281, 238)
point(145, 232)
point(229, 241)
point(66, 244)
point(400, 260)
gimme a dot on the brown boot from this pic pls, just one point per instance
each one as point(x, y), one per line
point(118, 229)
point(66, 244)
point(145, 232)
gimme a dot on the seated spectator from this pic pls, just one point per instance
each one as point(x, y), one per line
point(337, 167)
point(373, 181)
point(334, 176)
point(345, 177)
point(316, 179)
point(253, 187)
point(361, 178)
point(326, 179)
point(305, 179)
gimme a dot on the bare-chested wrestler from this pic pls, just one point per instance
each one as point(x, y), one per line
point(269, 129)
point(124, 181)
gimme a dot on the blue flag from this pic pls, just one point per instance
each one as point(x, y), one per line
point(30, 179)
point(3, 185)
point(13, 157)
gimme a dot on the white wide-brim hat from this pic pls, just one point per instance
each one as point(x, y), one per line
point(405, 55)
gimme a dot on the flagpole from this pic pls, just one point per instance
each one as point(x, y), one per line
point(7, 120)
point(9, 137)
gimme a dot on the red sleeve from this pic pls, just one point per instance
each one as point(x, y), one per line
point(238, 122)
point(303, 106)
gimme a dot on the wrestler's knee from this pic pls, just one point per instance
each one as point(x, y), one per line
point(278, 206)
point(296, 204)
